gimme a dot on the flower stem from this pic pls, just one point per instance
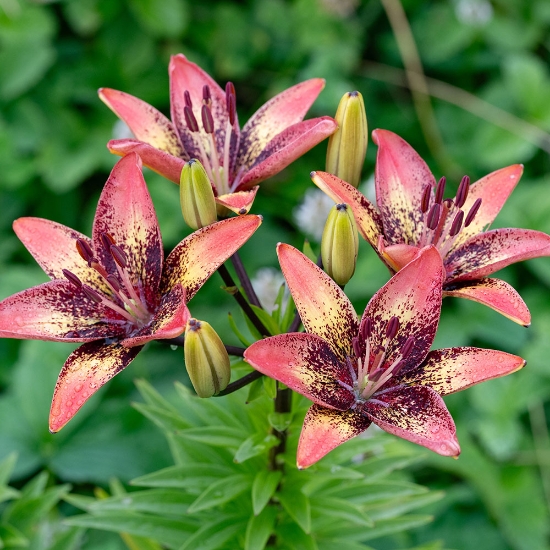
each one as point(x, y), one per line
point(241, 300)
point(245, 280)
point(240, 383)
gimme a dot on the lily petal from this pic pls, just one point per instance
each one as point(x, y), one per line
point(146, 123)
point(53, 246)
point(55, 311)
point(283, 110)
point(285, 148)
point(323, 307)
point(397, 256)
point(187, 76)
point(400, 177)
point(453, 369)
point(239, 202)
point(488, 252)
point(496, 294)
point(325, 429)
point(413, 295)
point(169, 321)
point(493, 190)
point(125, 211)
point(87, 369)
point(417, 414)
point(367, 217)
point(306, 364)
point(200, 254)
point(164, 164)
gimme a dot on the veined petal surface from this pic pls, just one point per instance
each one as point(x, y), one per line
point(417, 414)
point(325, 429)
point(306, 364)
point(400, 178)
point(146, 123)
point(413, 295)
point(495, 293)
point(323, 307)
point(125, 211)
point(200, 254)
point(453, 369)
point(286, 147)
point(488, 252)
point(368, 219)
point(87, 369)
point(164, 164)
point(283, 110)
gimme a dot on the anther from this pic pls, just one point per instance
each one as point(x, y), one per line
point(207, 119)
point(190, 119)
point(119, 256)
point(231, 102)
point(433, 216)
point(356, 347)
point(206, 95)
point(462, 192)
point(425, 204)
point(407, 347)
point(71, 277)
point(366, 328)
point(457, 223)
point(187, 98)
point(113, 281)
point(472, 213)
point(107, 240)
point(92, 295)
point(440, 191)
point(392, 328)
point(448, 203)
point(85, 251)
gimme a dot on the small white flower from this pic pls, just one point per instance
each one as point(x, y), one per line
point(122, 131)
point(310, 216)
point(476, 13)
point(267, 283)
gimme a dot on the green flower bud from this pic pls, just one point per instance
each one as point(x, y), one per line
point(339, 244)
point(206, 359)
point(347, 147)
point(196, 196)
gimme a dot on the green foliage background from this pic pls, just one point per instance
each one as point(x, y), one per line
point(489, 85)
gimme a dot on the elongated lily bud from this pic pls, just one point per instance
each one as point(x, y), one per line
point(339, 244)
point(347, 147)
point(196, 196)
point(206, 359)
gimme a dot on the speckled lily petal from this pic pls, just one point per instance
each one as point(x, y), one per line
point(53, 246)
point(493, 190)
point(496, 294)
point(400, 177)
point(285, 109)
point(239, 202)
point(169, 321)
point(164, 164)
point(368, 219)
point(200, 254)
point(416, 414)
point(187, 76)
point(146, 123)
point(454, 369)
point(286, 147)
point(414, 296)
point(87, 369)
point(55, 311)
point(397, 256)
point(323, 307)
point(488, 252)
point(325, 429)
point(125, 211)
point(306, 364)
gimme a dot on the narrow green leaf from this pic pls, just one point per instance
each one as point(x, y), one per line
point(297, 506)
point(242, 338)
point(139, 543)
point(264, 487)
point(280, 421)
point(220, 492)
point(70, 539)
point(331, 544)
point(380, 466)
point(79, 501)
point(267, 320)
point(213, 535)
point(190, 475)
point(217, 436)
point(165, 420)
point(153, 397)
point(290, 312)
point(339, 508)
point(393, 508)
point(366, 492)
point(270, 386)
point(8, 493)
point(255, 445)
point(308, 251)
point(279, 305)
point(259, 529)
point(6, 468)
point(12, 537)
point(35, 487)
point(295, 538)
point(255, 390)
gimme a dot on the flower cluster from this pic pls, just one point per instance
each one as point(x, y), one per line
point(114, 292)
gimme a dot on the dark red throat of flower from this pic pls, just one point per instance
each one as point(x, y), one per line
point(445, 218)
point(123, 297)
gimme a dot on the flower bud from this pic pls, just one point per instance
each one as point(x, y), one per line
point(347, 147)
point(339, 244)
point(206, 359)
point(198, 205)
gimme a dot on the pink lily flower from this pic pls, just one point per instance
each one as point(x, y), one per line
point(113, 292)
point(205, 126)
point(377, 370)
point(412, 213)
